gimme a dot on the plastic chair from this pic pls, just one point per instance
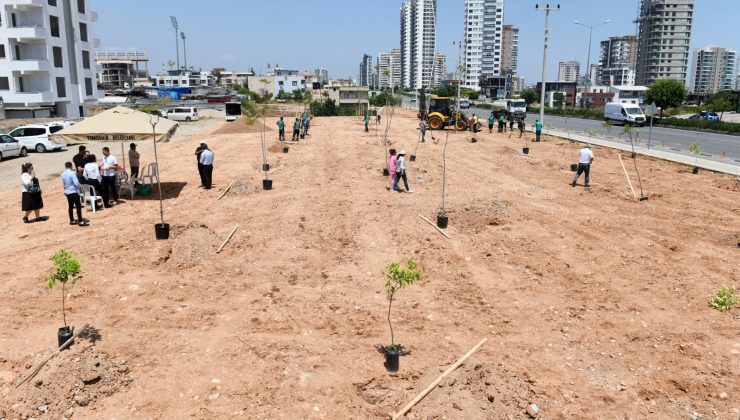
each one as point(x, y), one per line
point(124, 183)
point(150, 172)
point(89, 195)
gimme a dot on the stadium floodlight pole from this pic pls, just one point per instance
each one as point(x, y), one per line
point(177, 41)
point(588, 58)
point(184, 49)
point(547, 9)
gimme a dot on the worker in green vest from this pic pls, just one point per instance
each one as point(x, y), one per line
point(537, 129)
point(367, 121)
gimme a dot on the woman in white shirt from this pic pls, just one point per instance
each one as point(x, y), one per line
point(31, 200)
point(91, 173)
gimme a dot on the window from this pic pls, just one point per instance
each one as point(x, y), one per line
point(81, 6)
point(88, 86)
point(54, 128)
point(52, 2)
point(54, 26)
point(61, 89)
point(83, 32)
point(4, 83)
point(2, 51)
point(85, 59)
point(57, 52)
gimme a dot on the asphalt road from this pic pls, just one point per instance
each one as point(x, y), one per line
point(671, 139)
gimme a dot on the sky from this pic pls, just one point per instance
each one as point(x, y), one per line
point(334, 34)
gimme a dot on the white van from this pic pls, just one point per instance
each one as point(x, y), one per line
point(624, 113)
point(182, 114)
point(39, 137)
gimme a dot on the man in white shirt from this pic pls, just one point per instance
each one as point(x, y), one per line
point(585, 157)
point(206, 162)
point(110, 165)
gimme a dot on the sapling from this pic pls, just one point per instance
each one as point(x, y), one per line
point(67, 269)
point(724, 299)
point(696, 150)
point(608, 125)
point(397, 278)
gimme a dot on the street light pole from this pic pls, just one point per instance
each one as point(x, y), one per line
point(184, 49)
point(177, 41)
point(547, 9)
point(588, 58)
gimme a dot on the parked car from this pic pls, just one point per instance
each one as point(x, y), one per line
point(624, 113)
point(39, 137)
point(705, 115)
point(183, 114)
point(11, 147)
point(464, 104)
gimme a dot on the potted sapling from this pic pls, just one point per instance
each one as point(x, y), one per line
point(67, 269)
point(397, 277)
point(696, 150)
point(442, 218)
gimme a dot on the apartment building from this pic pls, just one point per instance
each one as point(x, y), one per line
point(617, 61)
point(483, 39)
point(322, 76)
point(46, 63)
point(389, 69)
point(440, 68)
point(234, 78)
point(122, 69)
point(366, 70)
point(569, 71)
point(663, 40)
point(509, 48)
point(418, 42)
point(713, 70)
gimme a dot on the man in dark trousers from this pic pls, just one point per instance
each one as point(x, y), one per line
point(585, 157)
point(297, 130)
point(80, 159)
point(281, 129)
point(206, 160)
point(198, 151)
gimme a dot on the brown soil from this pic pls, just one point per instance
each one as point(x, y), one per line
point(594, 304)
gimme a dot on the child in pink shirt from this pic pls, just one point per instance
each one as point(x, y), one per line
point(392, 166)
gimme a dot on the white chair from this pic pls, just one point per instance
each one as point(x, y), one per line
point(124, 183)
point(151, 172)
point(89, 195)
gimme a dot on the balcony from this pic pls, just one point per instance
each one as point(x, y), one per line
point(32, 97)
point(26, 32)
point(19, 4)
point(30, 65)
point(93, 16)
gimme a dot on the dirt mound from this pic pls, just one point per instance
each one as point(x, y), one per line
point(731, 184)
point(69, 384)
point(240, 126)
point(193, 245)
point(476, 216)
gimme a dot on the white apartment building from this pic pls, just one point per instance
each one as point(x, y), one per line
point(46, 63)
point(663, 41)
point(440, 69)
point(713, 70)
point(322, 76)
point(510, 49)
point(389, 69)
point(418, 42)
point(483, 40)
point(569, 71)
point(184, 79)
point(366, 70)
point(278, 80)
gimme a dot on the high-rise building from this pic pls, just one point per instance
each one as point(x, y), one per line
point(569, 71)
point(617, 61)
point(389, 69)
point(482, 40)
point(322, 76)
point(366, 70)
point(418, 42)
point(663, 41)
point(713, 70)
point(510, 48)
point(440, 68)
point(48, 65)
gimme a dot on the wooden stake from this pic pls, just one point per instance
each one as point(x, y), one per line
point(225, 191)
point(228, 238)
point(34, 370)
point(428, 389)
point(628, 177)
point(436, 227)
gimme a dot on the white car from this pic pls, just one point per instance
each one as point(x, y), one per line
point(182, 114)
point(11, 147)
point(39, 137)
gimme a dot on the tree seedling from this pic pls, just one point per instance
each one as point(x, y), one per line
point(67, 269)
point(724, 299)
point(397, 278)
point(696, 150)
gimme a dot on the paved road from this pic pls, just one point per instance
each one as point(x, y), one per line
point(714, 145)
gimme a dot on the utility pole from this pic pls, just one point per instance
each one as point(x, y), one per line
point(177, 41)
point(547, 9)
point(588, 58)
point(184, 49)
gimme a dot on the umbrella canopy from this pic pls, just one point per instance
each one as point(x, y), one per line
point(119, 124)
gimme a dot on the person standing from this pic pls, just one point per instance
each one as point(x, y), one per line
point(423, 129)
point(198, 151)
point(392, 168)
point(133, 160)
point(206, 159)
point(537, 129)
point(110, 165)
point(80, 159)
point(377, 117)
point(306, 125)
point(31, 200)
point(296, 130)
point(367, 121)
point(585, 157)
point(71, 186)
point(491, 121)
point(521, 127)
point(511, 122)
point(475, 123)
point(92, 175)
point(401, 172)
point(281, 129)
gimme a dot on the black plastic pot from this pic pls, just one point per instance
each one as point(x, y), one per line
point(285, 149)
point(391, 360)
point(64, 334)
point(303, 136)
point(695, 170)
point(412, 158)
point(573, 167)
point(162, 230)
point(525, 150)
point(385, 172)
point(265, 166)
point(634, 155)
point(267, 184)
point(442, 221)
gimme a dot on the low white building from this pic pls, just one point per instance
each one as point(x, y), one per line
point(175, 78)
point(351, 97)
point(46, 63)
point(628, 94)
point(278, 80)
point(234, 78)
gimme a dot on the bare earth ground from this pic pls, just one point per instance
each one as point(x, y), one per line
point(594, 305)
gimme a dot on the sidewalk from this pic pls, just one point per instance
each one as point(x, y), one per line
point(728, 167)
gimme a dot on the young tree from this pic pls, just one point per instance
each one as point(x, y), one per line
point(558, 99)
point(67, 268)
point(398, 277)
point(720, 105)
point(666, 93)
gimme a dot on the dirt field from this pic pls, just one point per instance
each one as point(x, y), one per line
point(594, 305)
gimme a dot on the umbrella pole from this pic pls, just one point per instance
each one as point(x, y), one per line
point(123, 156)
point(159, 185)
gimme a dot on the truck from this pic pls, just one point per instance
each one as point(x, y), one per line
point(631, 114)
point(518, 107)
point(233, 110)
